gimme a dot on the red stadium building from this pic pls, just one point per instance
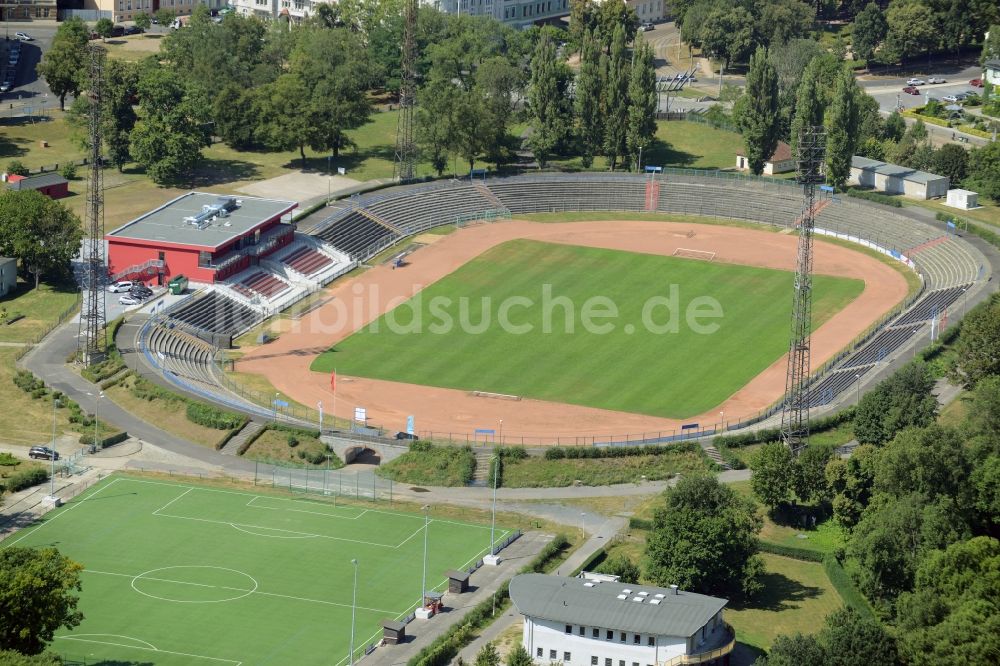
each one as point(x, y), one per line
point(205, 237)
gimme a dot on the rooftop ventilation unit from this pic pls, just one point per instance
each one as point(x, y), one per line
point(655, 602)
point(589, 584)
point(644, 593)
point(658, 595)
point(673, 588)
point(623, 596)
point(639, 599)
point(626, 591)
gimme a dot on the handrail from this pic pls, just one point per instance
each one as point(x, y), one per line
point(702, 657)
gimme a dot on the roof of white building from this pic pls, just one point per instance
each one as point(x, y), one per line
point(620, 606)
point(888, 169)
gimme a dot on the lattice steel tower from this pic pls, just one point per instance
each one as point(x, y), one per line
point(92, 343)
point(406, 151)
point(795, 414)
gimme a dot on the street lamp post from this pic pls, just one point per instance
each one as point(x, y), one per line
point(319, 406)
point(639, 168)
point(857, 381)
point(583, 525)
point(501, 432)
point(97, 413)
point(354, 606)
point(52, 473)
point(722, 420)
point(423, 578)
point(276, 406)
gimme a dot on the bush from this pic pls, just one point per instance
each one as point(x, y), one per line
point(578, 452)
point(213, 417)
point(17, 168)
point(68, 171)
point(27, 382)
point(845, 587)
point(874, 196)
point(640, 523)
point(791, 551)
point(8, 460)
point(26, 478)
point(292, 441)
point(298, 432)
point(422, 447)
point(102, 442)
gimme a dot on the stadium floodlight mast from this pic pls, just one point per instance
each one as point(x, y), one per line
point(423, 578)
point(52, 475)
point(354, 607)
point(319, 406)
point(97, 412)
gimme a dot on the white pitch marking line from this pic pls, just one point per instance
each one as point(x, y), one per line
point(422, 527)
point(172, 501)
point(166, 580)
point(136, 647)
point(130, 638)
point(317, 513)
point(59, 515)
point(275, 529)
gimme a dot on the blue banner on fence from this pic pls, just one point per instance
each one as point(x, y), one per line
point(826, 188)
point(895, 254)
point(689, 426)
point(485, 431)
point(409, 425)
point(654, 169)
point(951, 225)
point(280, 403)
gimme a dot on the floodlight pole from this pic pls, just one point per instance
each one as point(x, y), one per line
point(354, 605)
point(52, 474)
point(97, 412)
point(319, 406)
point(423, 579)
point(496, 474)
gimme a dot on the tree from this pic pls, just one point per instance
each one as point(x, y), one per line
point(895, 126)
point(809, 103)
point(727, 32)
point(794, 651)
point(704, 538)
point(14, 658)
point(870, 29)
point(143, 21)
point(928, 461)
point(783, 20)
point(36, 597)
point(543, 100)
point(986, 487)
point(165, 16)
point(773, 474)
point(850, 639)
point(167, 138)
point(641, 100)
point(435, 121)
point(63, 65)
point(902, 400)
point(984, 170)
point(17, 168)
point(842, 120)
point(953, 615)
point(616, 100)
point(621, 566)
point(851, 483)
point(104, 27)
point(911, 29)
point(284, 123)
point(978, 348)
point(41, 232)
point(498, 82)
point(614, 14)
point(472, 128)
point(519, 657)
point(488, 656)
point(120, 87)
point(758, 120)
point(809, 473)
point(983, 417)
point(588, 99)
point(991, 45)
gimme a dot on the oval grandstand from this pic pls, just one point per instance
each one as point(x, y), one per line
point(365, 225)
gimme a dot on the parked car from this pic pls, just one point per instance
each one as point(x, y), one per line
point(406, 435)
point(133, 30)
point(129, 299)
point(910, 90)
point(141, 291)
point(950, 98)
point(43, 453)
point(118, 287)
point(976, 83)
point(6, 86)
point(936, 79)
point(23, 36)
point(647, 26)
point(916, 82)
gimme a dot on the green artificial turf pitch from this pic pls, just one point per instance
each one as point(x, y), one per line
point(632, 368)
point(179, 574)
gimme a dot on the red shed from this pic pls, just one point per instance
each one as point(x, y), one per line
point(206, 237)
point(50, 184)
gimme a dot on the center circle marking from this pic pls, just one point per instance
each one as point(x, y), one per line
point(162, 575)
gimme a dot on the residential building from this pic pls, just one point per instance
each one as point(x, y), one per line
point(991, 72)
point(125, 10)
point(517, 13)
point(780, 162)
point(27, 10)
point(8, 275)
point(593, 622)
point(50, 184)
point(649, 10)
point(205, 237)
point(895, 179)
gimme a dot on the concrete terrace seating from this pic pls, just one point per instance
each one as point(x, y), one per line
point(931, 305)
point(212, 311)
point(830, 386)
point(428, 208)
point(879, 348)
point(182, 355)
point(539, 194)
point(354, 233)
point(265, 284)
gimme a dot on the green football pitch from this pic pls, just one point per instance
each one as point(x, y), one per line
point(634, 367)
point(180, 574)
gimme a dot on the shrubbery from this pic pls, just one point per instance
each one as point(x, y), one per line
point(87, 439)
point(875, 196)
point(25, 479)
point(213, 417)
point(570, 452)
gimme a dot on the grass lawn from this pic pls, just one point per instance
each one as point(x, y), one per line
point(440, 466)
point(796, 597)
point(133, 47)
point(824, 538)
point(955, 413)
point(534, 472)
point(273, 446)
point(28, 421)
point(41, 308)
point(168, 415)
point(682, 143)
point(19, 465)
point(987, 212)
point(189, 574)
point(622, 367)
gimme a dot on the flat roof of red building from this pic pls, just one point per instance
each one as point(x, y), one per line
point(202, 220)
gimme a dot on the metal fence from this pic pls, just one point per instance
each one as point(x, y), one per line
point(353, 484)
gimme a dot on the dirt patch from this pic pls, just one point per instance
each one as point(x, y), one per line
point(454, 413)
point(297, 186)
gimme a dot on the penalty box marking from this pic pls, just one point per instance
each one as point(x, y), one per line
point(315, 513)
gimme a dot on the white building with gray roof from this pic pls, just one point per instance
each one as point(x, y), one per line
point(895, 179)
point(586, 622)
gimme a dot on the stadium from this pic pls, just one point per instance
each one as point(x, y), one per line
point(885, 280)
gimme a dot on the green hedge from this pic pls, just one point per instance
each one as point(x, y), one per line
point(774, 434)
point(845, 587)
point(24, 479)
point(987, 235)
point(804, 554)
point(87, 439)
point(640, 523)
point(301, 432)
point(874, 196)
point(560, 452)
point(446, 646)
point(591, 562)
point(213, 417)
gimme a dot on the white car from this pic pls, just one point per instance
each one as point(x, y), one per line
point(24, 37)
point(647, 26)
point(120, 286)
point(936, 79)
point(915, 82)
point(129, 299)
point(950, 98)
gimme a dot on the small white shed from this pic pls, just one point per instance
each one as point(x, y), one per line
point(964, 199)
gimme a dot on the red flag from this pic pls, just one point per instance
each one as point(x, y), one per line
point(333, 380)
